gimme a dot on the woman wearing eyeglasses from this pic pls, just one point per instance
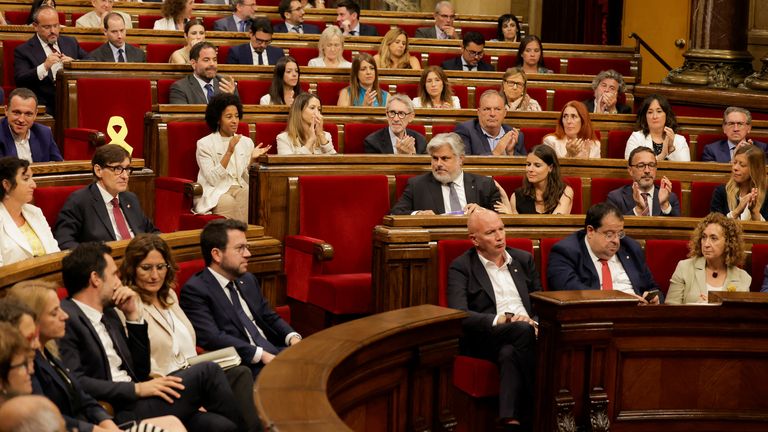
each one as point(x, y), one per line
point(15, 367)
point(743, 197)
point(514, 85)
point(304, 134)
point(574, 136)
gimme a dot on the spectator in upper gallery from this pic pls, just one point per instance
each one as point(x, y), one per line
point(658, 130)
point(363, 89)
point(393, 52)
point(445, 14)
point(176, 13)
point(514, 87)
point(574, 136)
point(304, 133)
point(608, 85)
point(530, 56)
point(397, 138)
point(330, 50)
point(471, 58)
point(737, 123)
point(743, 197)
point(37, 61)
point(435, 90)
point(507, 29)
point(487, 135)
point(194, 32)
point(116, 49)
point(348, 20)
point(243, 14)
point(95, 18)
point(20, 135)
point(293, 15)
point(203, 83)
point(36, 4)
point(285, 83)
point(642, 198)
point(259, 50)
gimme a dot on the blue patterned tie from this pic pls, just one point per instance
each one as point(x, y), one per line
point(249, 325)
point(209, 91)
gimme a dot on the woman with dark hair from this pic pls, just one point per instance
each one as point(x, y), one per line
point(574, 136)
point(176, 13)
point(363, 89)
point(15, 366)
point(435, 90)
point(507, 29)
point(194, 32)
point(716, 252)
point(393, 52)
point(743, 197)
point(24, 232)
point(543, 190)
point(657, 129)
point(530, 55)
point(285, 83)
point(223, 158)
point(36, 5)
point(514, 87)
point(304, 133)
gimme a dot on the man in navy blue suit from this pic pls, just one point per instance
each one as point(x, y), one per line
point(642, 197)
point(293, 14)
point(737, 123)
point(19, 134)
point(224, 301)
point(471, 58)
point(487, 135)
point(258, 51)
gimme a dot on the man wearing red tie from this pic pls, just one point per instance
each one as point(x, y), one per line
point(601, 256)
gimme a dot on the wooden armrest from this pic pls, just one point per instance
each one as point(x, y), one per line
point(94, 137)
point(321, 250)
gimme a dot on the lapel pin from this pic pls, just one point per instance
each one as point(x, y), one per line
point(514, 270)
point(127, 206)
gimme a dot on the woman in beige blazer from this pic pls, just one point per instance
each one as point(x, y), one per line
point(716, 253)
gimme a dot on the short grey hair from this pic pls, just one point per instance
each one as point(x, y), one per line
point(609, 74)
point(326, 37)
point(733, 109)
point(440, 4)
point(402, 98)
point(447, 139)
point(489, 93)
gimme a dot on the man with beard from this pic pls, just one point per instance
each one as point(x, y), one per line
point(204, 82)
point(447, 189)
point(19, 134)
point(642, 198)
point(224, 301)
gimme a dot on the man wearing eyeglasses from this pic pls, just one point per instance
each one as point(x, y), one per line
point(737, 123)
point(642, 197)
point(397, 138)
point(20, 136)
point(471, 58)
point(443, 28)
point(259, 50)
point(601, 257)
point(103, 210)
point(243, 12)
point(293, 14)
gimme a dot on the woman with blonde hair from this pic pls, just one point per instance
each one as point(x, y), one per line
point(194, 32)
point(574, 136)
point(514, 86)
point(435, 90)
point(305, 134)
point(331, 50)
point(743, 197)
point(363, 89)
point(393, 52)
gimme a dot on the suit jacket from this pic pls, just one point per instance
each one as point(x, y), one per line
point(423, 192)
point(161, 336)
point(571, 268)
point(14, 246)
point(620, 108)
point(41, 143)
point(308, 28)
point(455, 64)
point(213, 177)
point(228, 24)
point(475, 142)
point(78, 408)
point(83, 353)
point(426, 32)
point(29, 55)
point(623, 200)
point(84, 218)
point(104, 54)
point(719, 151)
point(719, 203)
point(216, 323)
point(689, 282)
point(187, 91)
point(243, 54)
point(380, 142)
point(368, 30)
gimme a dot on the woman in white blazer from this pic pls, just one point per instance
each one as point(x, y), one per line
point(657, 126)
point(176, 13)
point(223, 158)
point(25, 232)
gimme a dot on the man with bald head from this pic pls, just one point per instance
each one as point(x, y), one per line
point(30, 413)
point(487, 134)
point(492, 283)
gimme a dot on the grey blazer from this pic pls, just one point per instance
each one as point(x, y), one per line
point(104, 54)
point(689, 282)
point(187, 91)
point(426, 32)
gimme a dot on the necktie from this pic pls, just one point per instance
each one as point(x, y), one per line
point(115, 344)
point(120, 58)
point(297, 29)
point(607, 281)
point(209, 91)
point(353, 33)
point(242, 25)
point(453, 198)
point(647, 211)
point(249, 325)
point(258, 55)
point(53, 48)
point(122, 225)
point(470, 68)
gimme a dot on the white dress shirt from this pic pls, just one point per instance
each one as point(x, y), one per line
point(41, 72)
point(619, 276)
point(23, 150)
point(118, 374)
point(458, 184)
point(504, 288)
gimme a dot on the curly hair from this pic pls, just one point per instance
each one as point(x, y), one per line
point(173, 8)
point(733, 255)
point(503, 19)
point(216, 107)
point(136, 251)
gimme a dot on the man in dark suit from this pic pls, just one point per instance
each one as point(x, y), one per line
point(19, 134)
point(204, 82)
point(471, 58)
point(348, 20)
point(103, 210)
point(112, 360)
point(486, 135)
point(224, 301)
point(116, 49)
point(642, 198)
point(737, 123)
point(37, 61)
point(396, 138)
point(293, 14)
point(600, 256)
point(607, 86)
point(258, 51)
point(443, 28)
point(492, 283)
point(243, 12)
point(447, 189)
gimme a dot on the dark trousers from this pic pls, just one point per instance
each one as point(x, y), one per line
point(241, 382)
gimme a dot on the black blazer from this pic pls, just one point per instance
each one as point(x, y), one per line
point(623, 200)
point(243, 54)
point(620, 108)
point(104, 54)
point(719, 203)
point(455, 64)
point(308, 28)
point(423, 192)
point(84, 218)
point(475, 142)
point(380, 142)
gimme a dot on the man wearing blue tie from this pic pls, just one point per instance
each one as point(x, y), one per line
point(200, 86)
point(293, 14)
point(243, 12)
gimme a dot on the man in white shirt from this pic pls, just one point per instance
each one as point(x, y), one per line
point(445, 14)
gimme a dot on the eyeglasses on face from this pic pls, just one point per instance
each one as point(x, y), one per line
point(159, 267)
point(117, 169)
point(398, 114)
point(612, 235)
point(732, 124)
point(475, 53)
point(514, 84)
point(641, 166)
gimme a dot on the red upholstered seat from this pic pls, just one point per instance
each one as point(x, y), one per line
point(412, 90)
point(9, 81)
point(759, 261)
point(593, 66)
point(252, 90)
point(697, 111)
point(267, 132)
point(488, 32)
point(81, 143)
point(208, 22)
point(21, 17)
point(545, 245)
point(89, 46)
point(479, 90)
point(51, 199)
point(509, 183)
point(563, 96)
point(164, 90)
point(507, 61)
point(355, 133)
point(61, 293)
point(401, 181)
point(540, 94)
point(701, 197)
point(437, 58)
point(148, 21)
point(617, 143)
point(381, 27)
point(332, 129)
point(662, 257)
point(443, 128)
point(534, 136)
point(303, 54)
point(186, 270)
point(328, 92)
point(552, 63)
point(602, 186)
point(222, 51)
point(160, 53)
point(344, 220)
point(409, 29)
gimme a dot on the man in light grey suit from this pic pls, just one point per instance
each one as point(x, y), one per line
point(204, 82)
point(116, 49)
point(244, 11)
point(443, 28)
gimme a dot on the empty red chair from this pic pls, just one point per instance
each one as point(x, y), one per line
point(507, 61)
point(545, 245)
point(51, 199)
point(662, 257)
point(759, 261)
point(164, 90)
point(701, 197)
point(9, 81)
point(148, 21)
point(328, 92)
point(401, 181)
point(437, 58)
point(302, 54)
point(617, 143)
point(355, 133)
point(443, 128)
point(252, 90)
point(563, 96)
point(160, 53)
point(535, 136)
point(267, 132)
point(593, 66)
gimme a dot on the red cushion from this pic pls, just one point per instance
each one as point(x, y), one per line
point(575, 184)
point(476, 377)
point(401, 181)
point(509, 183)
point(443, 128)
point(164, 90)
point(488, 32)
point(89, 46)
point(545, 245)
point(222, 51)
point(759, 261)
point(563, 96)
point(328, 92)
point(161, 53)
point(267, 132)
point(552, 63)
point(186, 270)
point(285, 313)
point(535, 136)
point(706, 138)
point(252, 90)
point(340, 294)
point(355, 133)
point(332, 129)
point(302, 54)
point(9, 46)
point(697, 111)
point(461, 92)
point(662, 257)
point(208, 22)
point(701, 197)
point(507, 61)
point(409, 29)
point(479, 90)
point(540, 94)
point(19, 18)
point(62, 293)
point(148, 21)
point(51, 199)
point(412, 90)
point(617, 143)
point(182, 145)
point(437, 58)
point(593, 66)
